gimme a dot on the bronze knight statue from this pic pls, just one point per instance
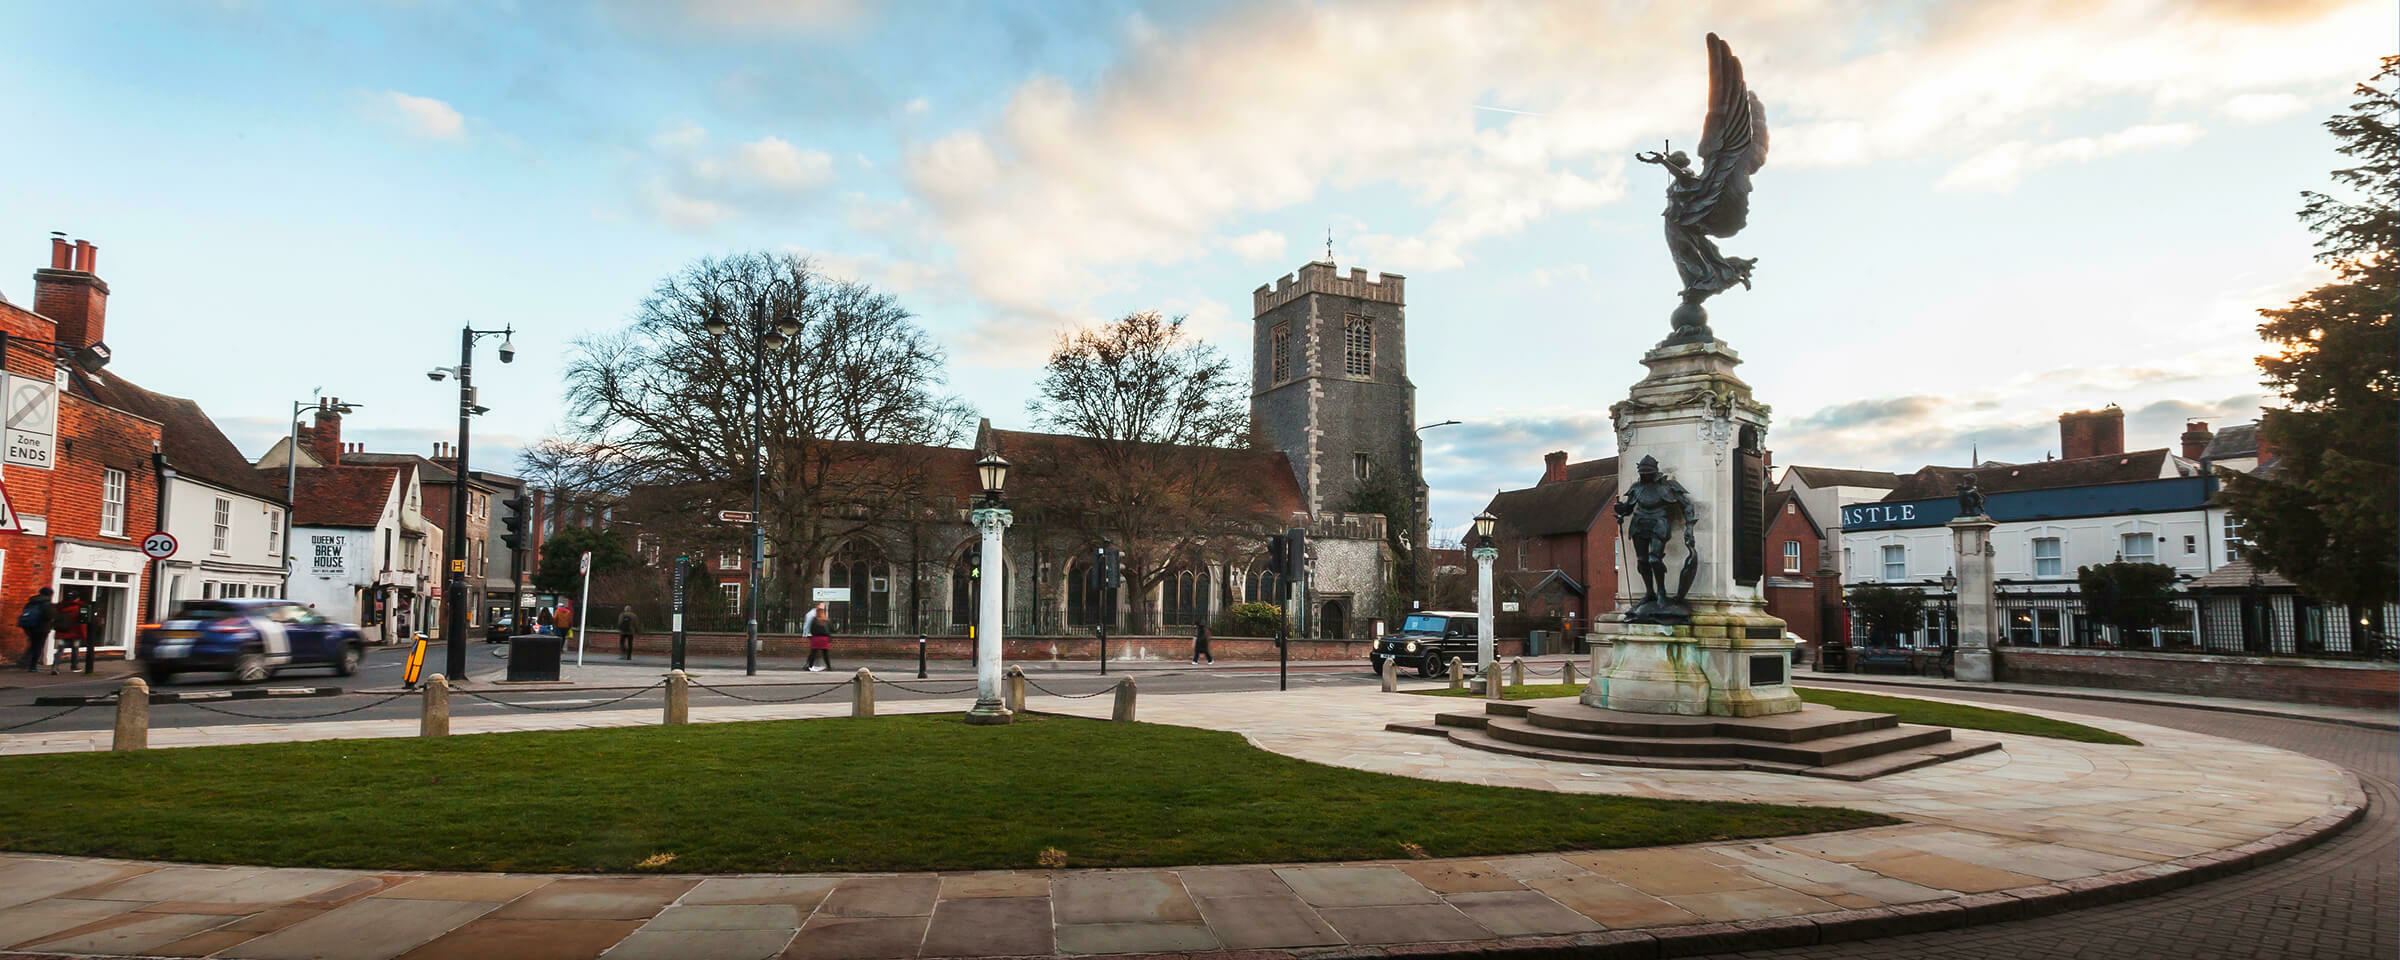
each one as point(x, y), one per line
point(1643, 512)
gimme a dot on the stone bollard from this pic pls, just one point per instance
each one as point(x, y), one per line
point(133, 716)
point(1458, 674)
point(1516, 671)
point(1391, 676)
point(1124, 711)
point(1491, 683)
point(1012, 689)
point(862, 695)
point(437, 708)
point(1567, 672)
point(679, 697)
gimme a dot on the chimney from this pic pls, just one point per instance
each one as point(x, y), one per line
point(2195, 439)
point(1554, 466)
point(2091, 433)
point(2266, 440)
point(70, 293)
point(324, 436)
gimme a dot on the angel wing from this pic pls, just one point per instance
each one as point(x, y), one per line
point(1734, 145)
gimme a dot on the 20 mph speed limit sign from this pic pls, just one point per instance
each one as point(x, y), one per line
point(158, 546)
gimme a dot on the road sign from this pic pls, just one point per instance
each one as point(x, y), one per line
point(29, 410)
point(8, 514)
point(458, 566)
point(735, 516)
point(584, 566)
point(158, 546)
point(831, 595)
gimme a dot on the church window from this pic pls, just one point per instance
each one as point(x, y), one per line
point(1358, 347)
point(1361, 466)
point(1280, 348)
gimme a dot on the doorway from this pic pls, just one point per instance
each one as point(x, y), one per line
point(1330, 622)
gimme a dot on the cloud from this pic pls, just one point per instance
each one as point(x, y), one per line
point(740, 16)
point(1999, 168)
point(686, 182)
point(772, 162)
point(422, 116)
point(1563, 273)
point(1263, 245)
point(2263, 107)
point(917, 107)
point(1466, 462)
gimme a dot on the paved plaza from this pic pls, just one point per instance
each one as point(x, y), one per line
point(2040, 825)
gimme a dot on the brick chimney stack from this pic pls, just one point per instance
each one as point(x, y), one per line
point(324, 436)
point(2195, 439)
point(1554, 467)
point(71, 293)
point(2091, 433)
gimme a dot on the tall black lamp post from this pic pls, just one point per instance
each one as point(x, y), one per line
point(1949, 608)
point(454, 606)
point(768, 328)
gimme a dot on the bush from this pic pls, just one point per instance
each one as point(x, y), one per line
point(2128, 596)
point(1250, 620)
point(1887, 612)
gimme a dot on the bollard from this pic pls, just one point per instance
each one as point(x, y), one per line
point(437, 708)
point(920, 656)
point(133, 716)
point(1124, 711)
point(1012, 689)
point(679, 697)
point(1458, 674)
point(1491, 684)
point(1516, 672)
point(862, 696)
point(1567, 672)
point(1391, 676)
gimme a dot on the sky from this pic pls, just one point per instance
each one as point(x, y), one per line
point(1973, 216)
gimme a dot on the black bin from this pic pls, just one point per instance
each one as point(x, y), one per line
point(533, 657)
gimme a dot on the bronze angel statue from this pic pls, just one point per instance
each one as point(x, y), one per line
point(1716, 202)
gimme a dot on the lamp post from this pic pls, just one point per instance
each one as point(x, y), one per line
point(767, 331)
point(454, 608)
point(1484, 555)
point(291, 478)
point(990, 519)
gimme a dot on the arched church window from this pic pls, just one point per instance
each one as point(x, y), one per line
point(1358, 347)
point(860, 569)
point(966, 588)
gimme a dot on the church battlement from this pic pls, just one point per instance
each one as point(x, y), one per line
point(1322, 277)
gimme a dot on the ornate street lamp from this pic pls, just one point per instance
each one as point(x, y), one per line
point(991, 519)
point(1484, 555)
point(1950, 608)
point(765, 334)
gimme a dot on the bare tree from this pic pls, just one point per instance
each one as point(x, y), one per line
point(1158, 453)
point(665, 413)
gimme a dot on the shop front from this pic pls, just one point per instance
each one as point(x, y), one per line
point(107, 579)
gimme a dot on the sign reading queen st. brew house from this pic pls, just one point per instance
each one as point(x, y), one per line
point(327, 553)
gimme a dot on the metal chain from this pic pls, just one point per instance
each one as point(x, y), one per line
point(894, 683)
point(586, 706)
point(1112, 688)
point(54, 716)
point(304, 716)
point(829, 688)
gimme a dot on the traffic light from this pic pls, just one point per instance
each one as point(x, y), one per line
point(514, 523)
point(1107, 560)
point(1295, 550)
point(1279, 561)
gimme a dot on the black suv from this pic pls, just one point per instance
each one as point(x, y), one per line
point(1427, 641)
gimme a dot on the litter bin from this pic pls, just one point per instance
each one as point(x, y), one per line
point(1537, 643)
point(533, 657)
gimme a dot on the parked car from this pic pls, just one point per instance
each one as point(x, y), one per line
point(499, 629)
point(1427, 641)
point(249, 638)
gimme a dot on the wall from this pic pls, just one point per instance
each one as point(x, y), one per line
point(2329, 682)
point(191, 511)
point(1083, 648)
point(336, 598)
point(2085, 541)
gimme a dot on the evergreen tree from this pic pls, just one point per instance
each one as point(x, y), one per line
point(2322, 514)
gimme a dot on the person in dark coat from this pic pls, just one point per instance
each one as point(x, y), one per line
point(627, 626)
point(72, 629)
point(1200, 645)
point(39, 616)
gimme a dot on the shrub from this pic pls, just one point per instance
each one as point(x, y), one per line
point(1250, 620)
point(1887, 611)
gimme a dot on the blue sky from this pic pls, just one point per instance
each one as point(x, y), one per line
point(1973, 218)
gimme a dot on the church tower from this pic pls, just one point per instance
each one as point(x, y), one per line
point(1329, 386)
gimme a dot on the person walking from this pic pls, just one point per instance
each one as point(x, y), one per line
point(36, 620)
point(564, 619)
point(627, 626)
point(1200, 645)
point(820, 638)
point(541, 620)
point(71, 630)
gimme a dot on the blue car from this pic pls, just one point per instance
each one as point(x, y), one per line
point(251, 639)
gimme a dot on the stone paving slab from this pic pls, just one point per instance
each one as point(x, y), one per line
point(2039, 826)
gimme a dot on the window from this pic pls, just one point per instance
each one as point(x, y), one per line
point(1260, 585)
point(1847, 568)
point(1279, 350)
point(2233, 538)
point(1791, 556)
point(112, 504)
point(2191, 545)
point(274, 533)
point(2037, 626)
point(2049, 557)
point(1087, 601)
point(1182, 595)
point(733, 596)
point(220, 525)
point(729, 561)
point(1790, 508)
point(1358, 347)
point(2138, 547)
point(858, 570)
point(1895, 562)
point(1361, 466)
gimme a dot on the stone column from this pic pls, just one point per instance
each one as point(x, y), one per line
point(436, 721)
point(1124, 707)
point(1977, 610)
point(1484, 555)
point(862, 694)
point(1016, 689)
point(988, 708)
point(133, 716)
point(679, 697)
point(1391, 675)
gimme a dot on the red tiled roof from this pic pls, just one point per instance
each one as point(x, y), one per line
point(1934, 482)
point(1821, 477)
point(342, 496)
point(191, 441)
point(1564, 506)
point(1267, 472)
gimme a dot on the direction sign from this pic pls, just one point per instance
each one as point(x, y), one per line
point(735, 516)
point(8, 514)
point(830, 595)
point(158, 546)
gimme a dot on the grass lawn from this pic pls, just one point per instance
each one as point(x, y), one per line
point(889, 793)
point(1924, 712)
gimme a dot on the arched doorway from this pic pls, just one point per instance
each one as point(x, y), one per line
point(1330, 622)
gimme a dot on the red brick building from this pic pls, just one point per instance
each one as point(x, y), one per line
point(1801, 585)
point(1558, 542)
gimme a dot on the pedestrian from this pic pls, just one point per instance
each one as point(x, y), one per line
point(627, 626)
point(36, 620)
point(820, 638)
point(541, 620)
point(1200, 645)
point(564, 619)
point(71, 629)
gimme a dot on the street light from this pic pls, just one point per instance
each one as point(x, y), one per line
point(991, 519)
point(765, 335)
point(1484, 555)
point(454, 541)
point(1950, 607)
point(291, 476)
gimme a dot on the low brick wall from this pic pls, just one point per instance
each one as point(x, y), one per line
point(1083, 647)
point(2339, 683)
